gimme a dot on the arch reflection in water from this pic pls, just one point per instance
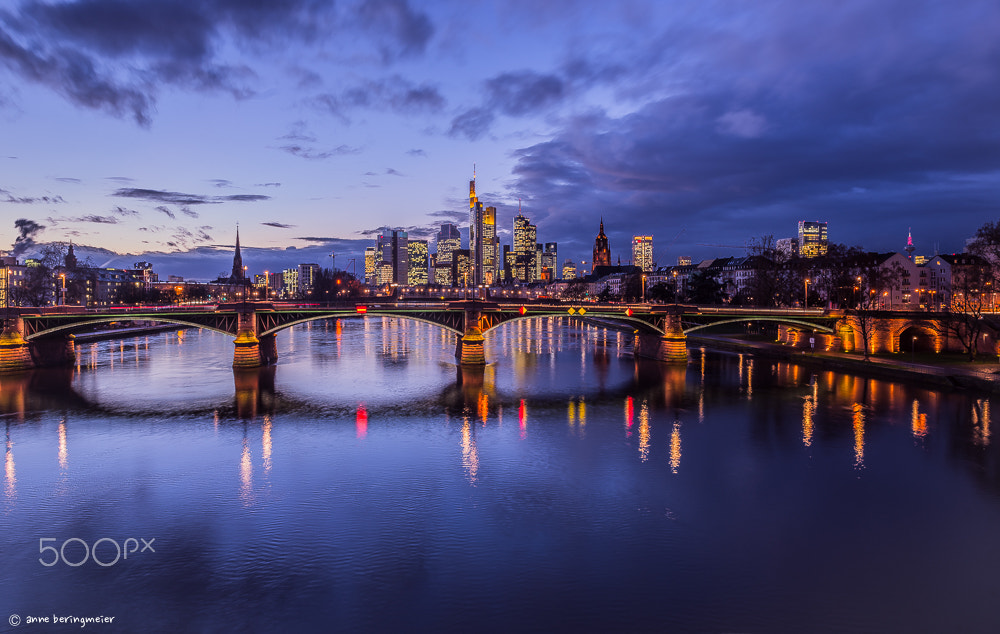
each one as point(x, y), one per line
point(9, 471)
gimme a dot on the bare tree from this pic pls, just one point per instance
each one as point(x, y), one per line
point(972, 290)
point(873, 281)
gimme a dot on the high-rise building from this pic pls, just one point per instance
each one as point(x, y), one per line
point(417, 255)
point(569, 270)
point(549, 261)
point(290, 282)
point(392, 245)
point(461, 268)
point(476, 214)
point(602, 250)
point(371, 262)
point(307, 277)
point(642, 252)
point(812, 239)
point(525, 250)
point(449, 240)
point(490, 246)
point(509, 263)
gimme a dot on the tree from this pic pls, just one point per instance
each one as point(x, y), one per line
point(873, 280)
point(769, 284)
point(972, 287)
point(703, 288)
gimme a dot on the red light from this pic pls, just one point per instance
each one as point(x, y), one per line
point(522, 310)
point(361, 421)
point(361, 310)
point(628, 312)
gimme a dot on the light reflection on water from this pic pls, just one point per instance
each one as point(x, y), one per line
point(366, 481)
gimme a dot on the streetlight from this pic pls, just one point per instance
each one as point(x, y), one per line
point(913, 349)
point(62, 276)
point(806, 305)
point(643, 288)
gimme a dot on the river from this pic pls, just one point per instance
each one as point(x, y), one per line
point(366, 483)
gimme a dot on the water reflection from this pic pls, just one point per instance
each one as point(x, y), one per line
point(9, 473)
point(858, 420)
point(63, 447)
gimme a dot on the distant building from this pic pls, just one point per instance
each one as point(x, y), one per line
point(549, 262)
point(642, 252)
point(812, 239)
point(683, 260)
point(449, 240)
point(306, 278)
point(569, 270)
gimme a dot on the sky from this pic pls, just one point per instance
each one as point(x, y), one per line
point(149, 129)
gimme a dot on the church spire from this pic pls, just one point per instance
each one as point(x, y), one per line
point(237, 259)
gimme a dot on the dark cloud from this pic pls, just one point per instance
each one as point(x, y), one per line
point(401, 30)
point(221, 182)
point(395, 94)
point(32, 200)
point(267, 185)
point(66, 179)
point(772, 126)
point(392, 172)
point(316, 239)
point(472, 124)
point(190, 213)
point(412, 231)
point(27, 230)
point(101, 220)
point(277, 225)
point(314, 154)
point(177, 198)
point(523, 92)
point(123, 211)
point(167, 211)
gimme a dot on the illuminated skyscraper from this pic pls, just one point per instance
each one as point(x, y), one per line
point(569, 270)
point(392, 246)
point(812, 239)
point(549, 262)
point(642, 252)
point(449, 240)
point(371, 276)
point(307, 277)
point(417, 255)
point(525, 249)
point(602, 250)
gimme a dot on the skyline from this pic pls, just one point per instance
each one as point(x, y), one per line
point(153, 128)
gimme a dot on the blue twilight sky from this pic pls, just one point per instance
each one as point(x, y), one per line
point(150, 128)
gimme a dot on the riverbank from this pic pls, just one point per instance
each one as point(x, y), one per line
point(969, 375)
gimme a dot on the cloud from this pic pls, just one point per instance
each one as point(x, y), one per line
point(277, 225)
point(166, 210)
point(394, 94)
point(472, 124)
point(392, 172)
point(190, 213)
point(123, 211)
point(741, 123)
point(317, 155)
point(316, 239)
point(417, 152)
point(401, 30)
point(32, 200)
point(66, 179)
point(267, 185)
point(27, 230)
point(221, 182)
point(101, 220)
point(177, 198)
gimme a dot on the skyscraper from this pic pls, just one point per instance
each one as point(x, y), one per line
point(371, 262)
point(476, 214)
point(642, 252)
point(417, 255)
point(812, 239)
point(602, 250)
point(449, 240)
point(549, 263)
point(525, 249)
point(392, 246)
point(569, 270)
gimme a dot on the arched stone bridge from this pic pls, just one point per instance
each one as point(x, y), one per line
point(44, 337)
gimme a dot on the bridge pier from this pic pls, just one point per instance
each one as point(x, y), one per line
point(15, 356)
point(670, 347)
point(469, 350)
point(248, 351)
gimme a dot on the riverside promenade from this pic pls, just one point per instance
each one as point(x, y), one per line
point(941, 371)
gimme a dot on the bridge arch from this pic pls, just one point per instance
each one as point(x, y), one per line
point(783, 320)
point(75, 326)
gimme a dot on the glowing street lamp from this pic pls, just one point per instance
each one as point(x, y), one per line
point(806, 304)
